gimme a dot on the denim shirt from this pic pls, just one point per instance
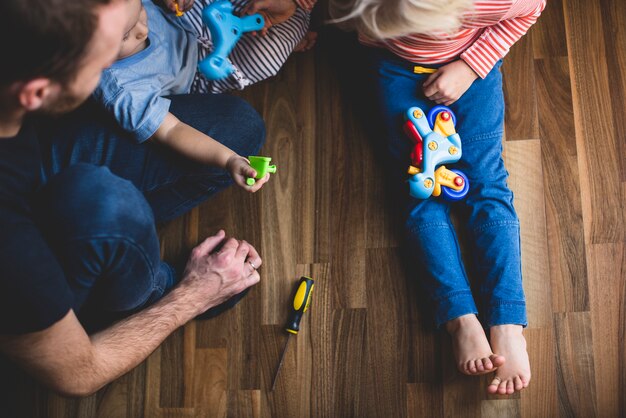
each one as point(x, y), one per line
point(133, 87)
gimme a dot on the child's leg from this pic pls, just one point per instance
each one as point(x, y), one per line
point(494, 228)
point(427, 224)
point(432, 239)
point(255, 57)
point(493, 222)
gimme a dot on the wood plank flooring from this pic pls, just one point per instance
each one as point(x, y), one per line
point(367, 347)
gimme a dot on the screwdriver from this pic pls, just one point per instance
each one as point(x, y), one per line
point(301, 302)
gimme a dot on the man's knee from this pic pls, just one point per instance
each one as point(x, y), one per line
point(254, 129)
point(247, 126)
point(85, 199)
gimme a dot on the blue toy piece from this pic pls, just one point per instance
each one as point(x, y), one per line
point(437, 143)
point(434, 112)
point(454, 195)
point(226, 29)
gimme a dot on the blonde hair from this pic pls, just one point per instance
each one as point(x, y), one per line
point(385, 19)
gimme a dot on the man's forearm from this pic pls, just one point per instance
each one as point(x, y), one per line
point(73, 363)
point(121, 347)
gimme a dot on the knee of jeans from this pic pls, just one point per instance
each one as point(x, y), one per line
point(491, 202)
point(250, 135)
point(88, 200)
point(426, 214)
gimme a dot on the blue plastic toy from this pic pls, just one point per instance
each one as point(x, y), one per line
point(436, 143)
point(226, 29)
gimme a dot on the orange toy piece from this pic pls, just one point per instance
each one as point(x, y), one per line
point(445, 177)
point(179, 12)
point(444, 124)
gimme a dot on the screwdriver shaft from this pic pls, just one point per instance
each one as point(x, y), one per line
point(280, 364)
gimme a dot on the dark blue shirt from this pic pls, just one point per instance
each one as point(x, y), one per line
point(34, 293)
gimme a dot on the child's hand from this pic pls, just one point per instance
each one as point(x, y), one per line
point(449, 82)
point(183, 5)
point(307, 42)
point(239, 169)
point(273, 11)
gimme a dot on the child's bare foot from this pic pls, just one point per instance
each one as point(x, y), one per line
point(307, 42)
point(509, 341)
point(471, 348)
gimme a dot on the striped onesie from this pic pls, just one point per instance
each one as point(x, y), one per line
point(255, 58)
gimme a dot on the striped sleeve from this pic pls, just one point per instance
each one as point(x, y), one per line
point(495, 41)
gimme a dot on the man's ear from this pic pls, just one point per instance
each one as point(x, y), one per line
point(33, 94)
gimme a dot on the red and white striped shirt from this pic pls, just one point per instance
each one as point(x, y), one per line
point(486, 34)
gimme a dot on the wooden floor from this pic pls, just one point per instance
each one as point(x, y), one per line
point(367, 347)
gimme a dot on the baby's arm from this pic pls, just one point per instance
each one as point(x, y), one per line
point(195, 145)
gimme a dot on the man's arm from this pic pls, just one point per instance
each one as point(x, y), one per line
point(69, 361)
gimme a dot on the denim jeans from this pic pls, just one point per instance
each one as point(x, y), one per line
point(104, 193)
point(492, 223)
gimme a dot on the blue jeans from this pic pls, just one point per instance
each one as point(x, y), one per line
point(104, 193)
point(492, 224)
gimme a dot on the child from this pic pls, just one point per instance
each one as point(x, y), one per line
point(163, 61)
point(464, 42)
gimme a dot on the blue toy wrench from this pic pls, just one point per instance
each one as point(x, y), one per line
point(226, 29)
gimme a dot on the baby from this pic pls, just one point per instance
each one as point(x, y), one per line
point(159, 57)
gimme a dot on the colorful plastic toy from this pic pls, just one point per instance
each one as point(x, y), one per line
point(418, 69)
point(179, 12)
point(436, 143)
point(226, 29)
point(262, 166)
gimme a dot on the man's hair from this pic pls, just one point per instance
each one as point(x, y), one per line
point(45, 38)
point(387, 19)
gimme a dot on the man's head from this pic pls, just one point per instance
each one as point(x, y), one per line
point(55, 50)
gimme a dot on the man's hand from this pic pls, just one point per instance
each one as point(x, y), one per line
point(183, 5)
point(273, 11)
point(240, 169)
point(449, 83)
point(69, 361)
point(218, 269)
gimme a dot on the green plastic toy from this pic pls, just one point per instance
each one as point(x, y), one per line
point(262, 166)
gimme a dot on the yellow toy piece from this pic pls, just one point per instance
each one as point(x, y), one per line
point(444, 124)
point(179, 12)
point(413, 170)
point(423, 70)
point(445, 177)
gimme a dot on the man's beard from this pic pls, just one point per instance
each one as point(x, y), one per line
point(63, 103)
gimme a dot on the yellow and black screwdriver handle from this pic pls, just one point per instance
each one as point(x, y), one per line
point(301, 302)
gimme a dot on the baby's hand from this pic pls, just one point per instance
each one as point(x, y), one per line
point(273, 11)
point(183, 5)
point(307, 42)
point(239, 169)
point(449, 82)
